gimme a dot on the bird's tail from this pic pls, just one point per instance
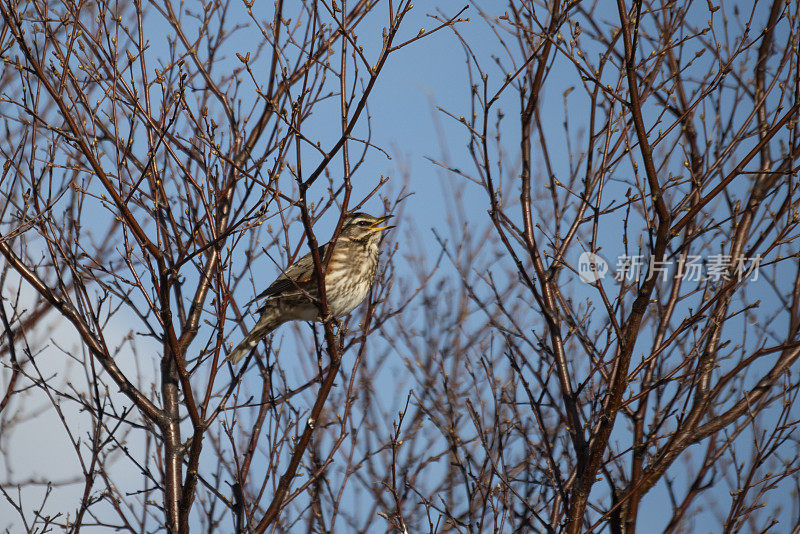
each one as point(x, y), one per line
point(269, 321)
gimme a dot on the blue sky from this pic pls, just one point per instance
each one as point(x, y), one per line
point(407, 125)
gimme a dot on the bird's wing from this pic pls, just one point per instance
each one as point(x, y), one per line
point(299, 276)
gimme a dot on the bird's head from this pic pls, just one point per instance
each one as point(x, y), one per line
point(364, 227)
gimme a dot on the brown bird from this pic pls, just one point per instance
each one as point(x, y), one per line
point(293, 295)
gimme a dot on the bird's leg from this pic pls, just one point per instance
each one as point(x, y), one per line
point(335, 321)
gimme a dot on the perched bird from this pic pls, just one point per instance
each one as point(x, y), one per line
point(350, 274)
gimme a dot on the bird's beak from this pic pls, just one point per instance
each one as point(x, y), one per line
point(377, 228)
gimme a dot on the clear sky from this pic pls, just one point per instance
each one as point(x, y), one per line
point(407, 125)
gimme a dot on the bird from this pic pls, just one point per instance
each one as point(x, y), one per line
point(293, 296)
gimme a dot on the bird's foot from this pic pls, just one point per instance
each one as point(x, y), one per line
point(335, 321)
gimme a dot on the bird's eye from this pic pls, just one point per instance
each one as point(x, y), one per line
point(363, 223)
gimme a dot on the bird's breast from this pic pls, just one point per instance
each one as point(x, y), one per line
point(349, 277)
